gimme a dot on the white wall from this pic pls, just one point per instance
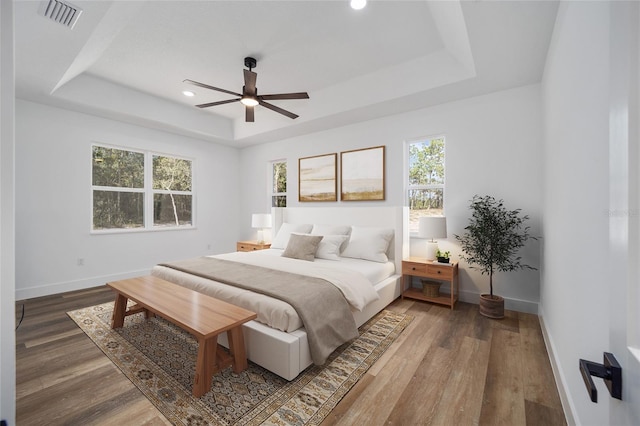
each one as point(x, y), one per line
point(7, 217)
point(53, 187)
point(573, 302)
point(493, 146)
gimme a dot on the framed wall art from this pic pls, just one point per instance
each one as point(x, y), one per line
point(362, 174)
point(317, 178)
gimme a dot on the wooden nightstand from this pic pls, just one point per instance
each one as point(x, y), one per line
point(251, 246)
point(420, 267)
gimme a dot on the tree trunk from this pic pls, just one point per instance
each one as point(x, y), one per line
point(173, 202)
point(175, 210)
point(491, 281)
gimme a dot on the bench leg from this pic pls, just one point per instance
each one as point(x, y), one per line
point(236, 347)
point(119, 311)
point(204, 365)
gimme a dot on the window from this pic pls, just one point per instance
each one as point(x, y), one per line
point(425, 179)
point(140, 190)
point(171, 191)
point(278, 183)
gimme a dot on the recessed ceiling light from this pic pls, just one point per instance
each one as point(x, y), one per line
point(358, 4)
point(188, 93)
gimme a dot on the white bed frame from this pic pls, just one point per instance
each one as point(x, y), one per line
point(287, 354)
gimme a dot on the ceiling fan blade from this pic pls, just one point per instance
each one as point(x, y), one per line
point(210, 104)
point(299, 95)
point(250, 82)
point(249, 116)
point(206, 86)
point(277, 109)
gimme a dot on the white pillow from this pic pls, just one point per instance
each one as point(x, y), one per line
point(331, 230)
point(329, 247)
point(369, 244)
point(281, 240)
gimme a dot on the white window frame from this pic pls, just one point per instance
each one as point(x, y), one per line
point(409, 186)
point(271, 192)
point(148, 192)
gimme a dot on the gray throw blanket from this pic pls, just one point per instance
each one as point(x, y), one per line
point(321, 306)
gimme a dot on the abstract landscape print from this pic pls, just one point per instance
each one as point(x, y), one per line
point(317, 178)
point(362, 174)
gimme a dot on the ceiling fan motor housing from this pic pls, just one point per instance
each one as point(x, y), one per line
point(250, 62)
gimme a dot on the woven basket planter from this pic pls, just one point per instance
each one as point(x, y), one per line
point(431, 288)
point(491, 307)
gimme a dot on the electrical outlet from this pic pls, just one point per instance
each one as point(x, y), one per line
point(80, 261)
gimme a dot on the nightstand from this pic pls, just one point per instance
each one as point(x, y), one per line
point(251, 246)
point(420, 267)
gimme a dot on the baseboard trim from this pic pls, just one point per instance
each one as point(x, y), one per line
point(511, 304)
point(561, 383)
point(55, 288)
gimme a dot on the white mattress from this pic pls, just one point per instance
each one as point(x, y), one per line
point(273, 312)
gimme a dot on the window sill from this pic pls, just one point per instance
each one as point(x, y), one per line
point(139, 230)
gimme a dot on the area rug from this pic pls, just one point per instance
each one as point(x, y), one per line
point(159, 358)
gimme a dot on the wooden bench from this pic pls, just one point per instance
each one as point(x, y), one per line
point(203, 316)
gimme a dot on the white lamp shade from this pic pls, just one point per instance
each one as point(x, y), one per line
point(432, 227)
point(259, 220)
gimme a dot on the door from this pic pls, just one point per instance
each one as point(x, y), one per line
point(624, 213)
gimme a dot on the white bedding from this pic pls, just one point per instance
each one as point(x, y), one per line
point(373, 271)
point(355, 278)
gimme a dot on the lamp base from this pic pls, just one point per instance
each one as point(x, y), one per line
point(432, 247)
point(260, 236)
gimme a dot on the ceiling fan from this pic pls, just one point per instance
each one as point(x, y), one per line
point(249, 97)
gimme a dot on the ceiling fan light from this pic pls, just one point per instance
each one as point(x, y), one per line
point(249, 101)
point(358, 4)
point(188, 93)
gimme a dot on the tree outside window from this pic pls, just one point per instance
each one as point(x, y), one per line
point(426, 180)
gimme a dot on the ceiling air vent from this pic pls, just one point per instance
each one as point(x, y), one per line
point(61, 12)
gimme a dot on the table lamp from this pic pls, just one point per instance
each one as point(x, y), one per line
point(260, 221)
point(432, 227)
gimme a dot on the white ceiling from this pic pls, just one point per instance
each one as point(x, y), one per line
point(127, 59)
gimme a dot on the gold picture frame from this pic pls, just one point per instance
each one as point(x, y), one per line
point(317, 178)
point(362, 174)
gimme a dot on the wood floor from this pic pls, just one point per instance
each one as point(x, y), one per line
point(447, 368)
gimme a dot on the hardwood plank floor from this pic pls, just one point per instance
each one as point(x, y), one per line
point(448, 367)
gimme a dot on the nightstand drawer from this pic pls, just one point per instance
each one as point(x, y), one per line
point(410, 268)
point(251, 246)
point(446, 272)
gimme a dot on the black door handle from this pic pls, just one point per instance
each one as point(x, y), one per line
point(609, 370)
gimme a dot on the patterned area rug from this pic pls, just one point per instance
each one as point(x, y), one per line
point(159, 358)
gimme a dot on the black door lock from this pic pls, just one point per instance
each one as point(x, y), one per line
point(610, 371)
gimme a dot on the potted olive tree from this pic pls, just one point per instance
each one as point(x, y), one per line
point(491, 243)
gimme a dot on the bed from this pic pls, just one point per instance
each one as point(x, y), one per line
point(283, 347)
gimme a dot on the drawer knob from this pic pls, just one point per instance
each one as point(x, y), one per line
point(413, 268)
point(439, 272)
